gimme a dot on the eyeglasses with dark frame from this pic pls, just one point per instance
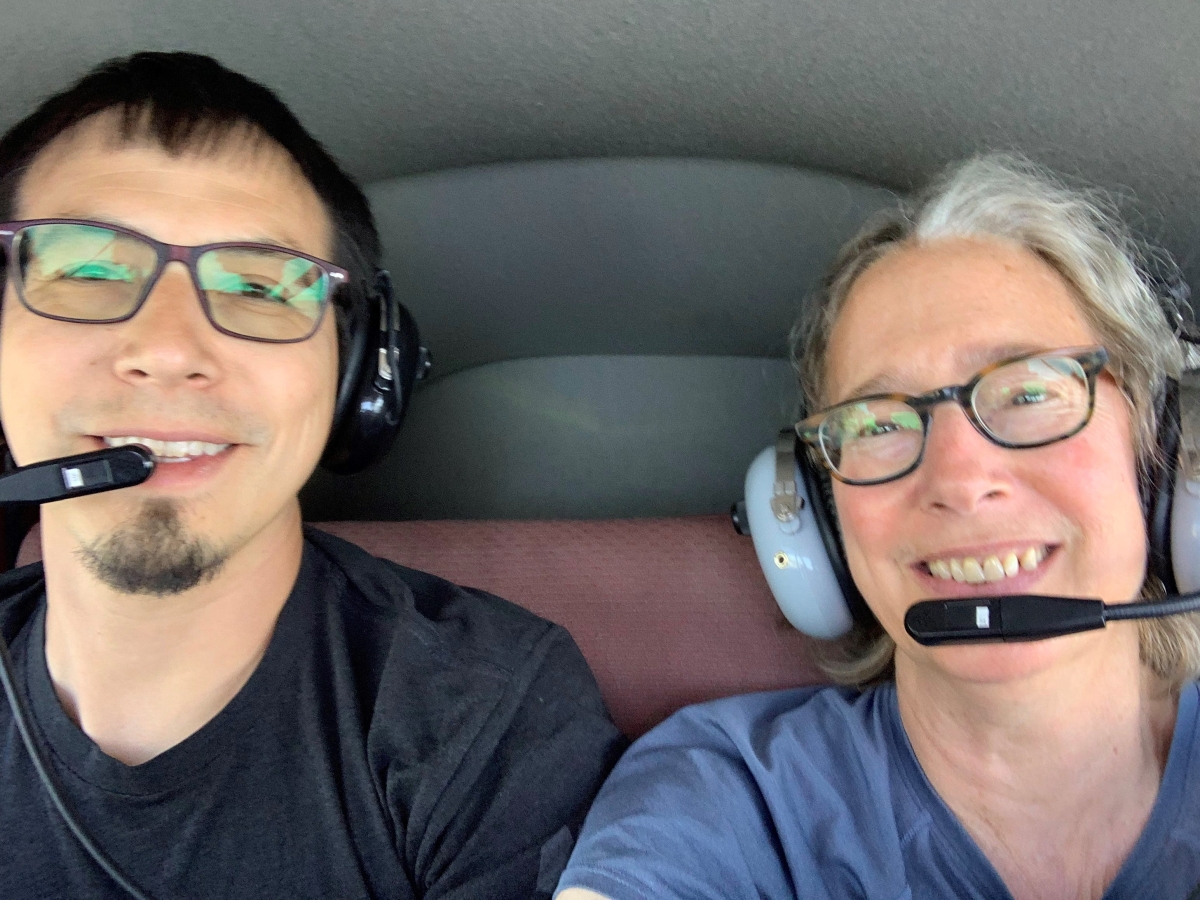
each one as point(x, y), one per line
point(78, 270)
point(1021, 402)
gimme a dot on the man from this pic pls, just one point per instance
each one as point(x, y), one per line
point(233, 705)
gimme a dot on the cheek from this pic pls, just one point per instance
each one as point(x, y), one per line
point(1093, 481)
point(39, 370)
point(307, 391)
point(869, 524)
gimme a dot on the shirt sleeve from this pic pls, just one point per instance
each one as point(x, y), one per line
point(680, 817)
point(506, 821)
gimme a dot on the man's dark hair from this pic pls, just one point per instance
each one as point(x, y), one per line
point(186, 101)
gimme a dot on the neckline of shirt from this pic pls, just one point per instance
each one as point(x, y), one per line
point(76, 756)
point(978, 869)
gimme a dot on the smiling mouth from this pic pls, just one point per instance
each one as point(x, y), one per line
point(170, 451)
point(994, 567)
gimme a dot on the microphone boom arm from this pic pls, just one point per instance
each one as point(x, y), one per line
point(1027, 617)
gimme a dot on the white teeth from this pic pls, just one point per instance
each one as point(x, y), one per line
point(970, 570)
point(992, 569)
point(973, 570)
point(169, 449)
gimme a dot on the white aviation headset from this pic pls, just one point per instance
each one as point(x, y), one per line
point(788, 512)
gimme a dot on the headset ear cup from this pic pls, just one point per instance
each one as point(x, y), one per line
point(1159, 489)
point(357, 351)
point(383, 361)
point(820, 490)
point(788, 544)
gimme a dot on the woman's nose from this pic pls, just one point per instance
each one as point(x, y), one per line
point(961, 469)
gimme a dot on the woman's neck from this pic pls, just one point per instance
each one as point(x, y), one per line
point(1053, 774)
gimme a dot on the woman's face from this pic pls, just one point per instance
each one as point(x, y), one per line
point(928, 316)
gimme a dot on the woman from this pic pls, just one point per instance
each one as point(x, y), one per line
point(1050, 769)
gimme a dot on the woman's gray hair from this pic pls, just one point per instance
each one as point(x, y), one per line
point(1118, 282)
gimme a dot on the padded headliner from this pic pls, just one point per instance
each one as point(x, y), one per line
point(607, 334)
point(613, 256)
point(572, 437)
point(885, 90)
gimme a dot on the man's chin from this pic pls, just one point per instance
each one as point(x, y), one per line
point(152, 553)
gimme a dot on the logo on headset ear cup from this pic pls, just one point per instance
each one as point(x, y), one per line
point(383, 360)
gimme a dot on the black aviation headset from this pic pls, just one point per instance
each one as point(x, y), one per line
point(381, 364)
point(789, 513)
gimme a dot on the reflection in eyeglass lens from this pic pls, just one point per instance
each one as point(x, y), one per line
point(1033, 400)
point(90, 273)
point(873, 439)
point(81, 271)
point(262, 293)
point(1024, 403)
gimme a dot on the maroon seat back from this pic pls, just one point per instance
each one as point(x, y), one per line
point(667, 611)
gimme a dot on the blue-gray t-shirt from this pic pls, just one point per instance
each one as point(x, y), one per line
point(817, 794)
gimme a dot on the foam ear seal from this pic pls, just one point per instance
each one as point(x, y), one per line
point(817, 485)
point(358, 331)
point(1160, 489)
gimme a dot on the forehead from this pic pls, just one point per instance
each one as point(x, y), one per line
point(932, 314)
point(241, 186)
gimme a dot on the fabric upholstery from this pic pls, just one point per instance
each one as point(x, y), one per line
point(667, 611)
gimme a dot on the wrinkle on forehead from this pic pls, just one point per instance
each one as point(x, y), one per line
point(935, 313)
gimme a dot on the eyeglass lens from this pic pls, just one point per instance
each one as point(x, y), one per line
point(1022, 404)
point(91, 274)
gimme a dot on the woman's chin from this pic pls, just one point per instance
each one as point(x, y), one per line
point(1001, 663)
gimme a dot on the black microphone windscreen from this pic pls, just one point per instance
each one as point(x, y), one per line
point(77, 476)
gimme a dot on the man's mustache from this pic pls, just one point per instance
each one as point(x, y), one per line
point(200, 414)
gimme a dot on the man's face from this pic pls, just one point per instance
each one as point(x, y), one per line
point(261, 411)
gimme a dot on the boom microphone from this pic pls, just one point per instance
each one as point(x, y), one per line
point(1027, 617)
point(77, 476)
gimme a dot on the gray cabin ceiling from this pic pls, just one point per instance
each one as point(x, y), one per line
point(885, 90)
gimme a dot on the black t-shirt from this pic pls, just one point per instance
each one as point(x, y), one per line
point(402, 737)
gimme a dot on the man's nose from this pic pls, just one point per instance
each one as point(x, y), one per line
point(962, 469)
point(169, 341)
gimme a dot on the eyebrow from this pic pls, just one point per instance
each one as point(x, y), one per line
point(894, 381)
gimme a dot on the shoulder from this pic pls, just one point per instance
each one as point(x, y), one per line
point(770, 783)
point(464, 625)
point(438, 656)
point(828, 744)
point(813, 722)
point(482, 719)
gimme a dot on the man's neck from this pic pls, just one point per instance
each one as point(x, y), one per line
point(1055, 776)
point(141, 673)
